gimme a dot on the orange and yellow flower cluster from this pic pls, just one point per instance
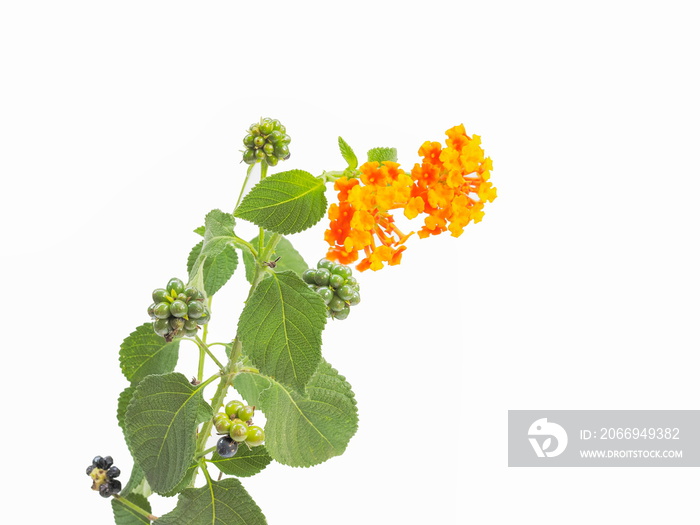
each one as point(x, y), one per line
point(449, 187)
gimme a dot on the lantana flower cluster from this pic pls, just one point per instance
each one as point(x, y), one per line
point(447, 189)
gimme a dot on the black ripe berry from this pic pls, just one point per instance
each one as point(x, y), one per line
point(226, 447)
point(99, 462)
point(113, 472)
point(105, 491)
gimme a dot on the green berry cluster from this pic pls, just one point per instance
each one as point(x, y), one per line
point(266, 140)
point(177, 310)
point(336, 286)
point(236, 423)
point(104, 475)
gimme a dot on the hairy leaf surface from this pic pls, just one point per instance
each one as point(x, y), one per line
point(303, 430)
point(280, 328)
point(223, 502)
point(160, 428)
point(144, 352)
point(286, 202)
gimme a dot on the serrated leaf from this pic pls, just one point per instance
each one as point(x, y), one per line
point(347, 153)
point(280, 328)
point(303, 430)
point(217, 269)
point(200, 230)
point(382, 155)
point(218, 232)
point(286, 202)
point(246, 462)
point(223, 502)
point(289, 259)
point(124, 515)
point(185, 483)
point(160, 428)
point(144, 352)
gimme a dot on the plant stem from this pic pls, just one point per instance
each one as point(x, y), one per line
point(245, 183)
point(205, 452)
point(203, 347)
point(134, 507)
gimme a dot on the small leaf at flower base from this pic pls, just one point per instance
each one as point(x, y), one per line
point(280, 328)
point(144, 352)
point(382, 155)
point(286, 202)
point(347, 153)
point(322, 420)
point(223, 502)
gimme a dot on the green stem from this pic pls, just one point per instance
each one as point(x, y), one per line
point(245, 183)
point(243, 243)
point(200, 368)
point(203, 347)
point(135, 507)
point(205, 452)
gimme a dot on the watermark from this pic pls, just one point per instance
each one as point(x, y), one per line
point(604, 438)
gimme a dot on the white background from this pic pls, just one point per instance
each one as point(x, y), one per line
point(120, 125)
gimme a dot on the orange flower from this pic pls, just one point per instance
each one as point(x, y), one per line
point(362, 220)
point(449, 187)
point(452, 183)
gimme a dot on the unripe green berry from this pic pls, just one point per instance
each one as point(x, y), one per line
point(178, 308)
point(232, 408)
point(255, 437)
point(354, 298)
point(175, 284)
point(223, 425)
point(342, 314)
point(345, 292)
point(161, 327)
point(238, 431)
point(336, 281)
point(322, 277)
point(337, 304)
point(260, 154)
point(325, 263)
point(248, 140)
point(245, 413)
point(162, 310)
point(266, 127)
point(176, 323)
point(151, 311)
point(309, 276)
point(249, 156)
point(325, 293)
point(281, 150)
point(191, 324)
point(195, 310)
point(159, 295)
point(259, 141)
point(343, 271)
point(271, 160)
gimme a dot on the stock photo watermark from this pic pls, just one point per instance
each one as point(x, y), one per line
point(604, 438)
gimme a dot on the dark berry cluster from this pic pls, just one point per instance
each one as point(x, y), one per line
point(236, 423)
point(266, 140)
point(177, 311)
point(104, 475)
point(336, 286)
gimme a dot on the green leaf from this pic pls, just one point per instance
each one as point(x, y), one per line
point(124, 515)
point(160, 428)
point(144, 353)
point(217, 269)
point(185, 483)
point(218, 232)
point(219, 502)
point(200, 230)
point(280, 328)
point(286, 202)
point(302, 431)
point(137, 483)
point(289, 259)
point(246, 462)
point(382, 155)
point(347, 153)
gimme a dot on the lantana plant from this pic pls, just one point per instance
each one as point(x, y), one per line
point(178, 424)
